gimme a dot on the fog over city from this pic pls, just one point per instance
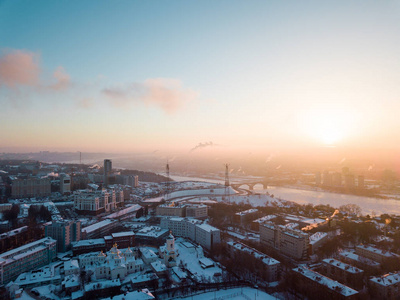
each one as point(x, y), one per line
point(199, 149)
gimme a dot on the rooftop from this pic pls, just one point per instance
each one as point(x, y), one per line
point(328, 282)
point(342, 265)
point(97, 226)
point(387, 279)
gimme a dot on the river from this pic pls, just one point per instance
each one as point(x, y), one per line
point(368, 205)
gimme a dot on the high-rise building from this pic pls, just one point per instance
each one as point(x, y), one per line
point(107, 171)
point(64, 232)
point(65, 184)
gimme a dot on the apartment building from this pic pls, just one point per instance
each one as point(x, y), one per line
point(26, 258)
point(199, 232)
point(291, 242)
point(316, 286)
point(344, 273)
point(30, 187)
point(385, 287)
point(375, 254)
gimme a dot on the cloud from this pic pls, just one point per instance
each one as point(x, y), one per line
point(62, 79)
point(19, 67)
point(203, 145)
point(165, 93)
point(86, 103)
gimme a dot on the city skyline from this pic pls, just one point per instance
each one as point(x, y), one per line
point(143, 76)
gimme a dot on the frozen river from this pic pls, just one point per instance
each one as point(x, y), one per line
point(368, 205)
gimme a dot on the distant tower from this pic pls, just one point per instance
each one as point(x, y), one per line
point(167, 172)
point(107, 170)
point(80, 157)
point(226, 175)
point(227, 193)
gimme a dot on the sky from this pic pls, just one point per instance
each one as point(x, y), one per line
point(126, 76)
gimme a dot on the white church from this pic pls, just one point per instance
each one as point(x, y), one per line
point(115, 264)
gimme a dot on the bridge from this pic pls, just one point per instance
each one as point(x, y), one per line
point(250, 184)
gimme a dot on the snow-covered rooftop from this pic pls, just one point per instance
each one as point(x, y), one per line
point(328, 282)
point(97, 225)
point(267, 260)
point(372, 249)
point(387, 279)
point(342, 265)
point(317, 237)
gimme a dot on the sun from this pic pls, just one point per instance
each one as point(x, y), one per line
point(328, 126)
point(329, 133)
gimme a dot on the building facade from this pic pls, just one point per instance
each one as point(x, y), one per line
point(344, 273)
point(26, 258)
point(197, 231)
point(291, 242)
point(30, 187)
point(64, 232)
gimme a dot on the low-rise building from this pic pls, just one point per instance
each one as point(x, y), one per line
point(359, 261)
point(207, 235)
point(197, 231)
point(99, 229)
point(375, 254)
point(317, 240)
point(171, 209)
point(151, 235)
point(198, 211)
point(243, 216)
point(125, 214)
point(85, 246)
point(385, 287)
point(344, 273)
point(255, 225)
point(30, 187)
point(182, 227)
point(316, 286)
point(271, 265)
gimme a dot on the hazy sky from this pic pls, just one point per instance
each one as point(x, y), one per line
point(148, 75)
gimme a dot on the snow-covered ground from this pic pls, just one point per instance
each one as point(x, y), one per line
point(190, 258)
point(195, 192)
point(257, 200)
point(235, 294)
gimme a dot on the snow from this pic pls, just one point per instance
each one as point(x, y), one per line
point(342, 265)
point(234, 294)
point(136, 295)
point(265, 258)
point(326, 281)
point(357, 258)
point(124, 212)
point(385, 253)
point(98, 225)
point(258, 200)
point(387, 279)
point(314, 238)
point(192, 263)
point(196, 192)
